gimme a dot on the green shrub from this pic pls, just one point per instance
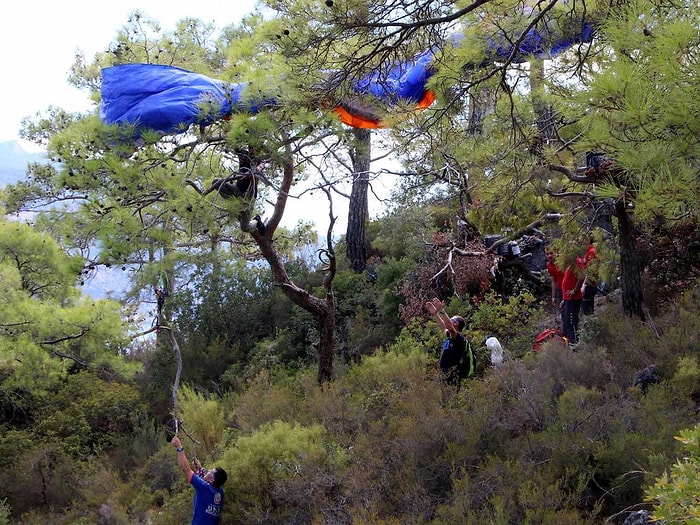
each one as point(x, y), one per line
point(683, 330)
point(264, 401)
point(398, 364)
point(502, 492)
point(677, 493)
point(506, 319)
point(687, 377)
point(205, 417)
point(5, 512)
point(281, 468)
point(178, 508)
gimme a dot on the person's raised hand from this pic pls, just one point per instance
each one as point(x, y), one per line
point(438, 304)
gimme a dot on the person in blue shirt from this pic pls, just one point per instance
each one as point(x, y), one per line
point(456, 357)
point(208, 494)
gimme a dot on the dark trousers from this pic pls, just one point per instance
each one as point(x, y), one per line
point(569, 318)
point(588, 304)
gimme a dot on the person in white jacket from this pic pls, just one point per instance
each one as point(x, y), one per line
point(494, 345)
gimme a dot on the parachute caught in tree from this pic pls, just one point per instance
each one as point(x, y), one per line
point(168, 99)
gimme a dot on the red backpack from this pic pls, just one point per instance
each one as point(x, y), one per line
point(550, 334)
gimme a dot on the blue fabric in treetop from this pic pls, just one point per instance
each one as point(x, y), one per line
point(541, 42)
point(404, 81)
point(167, 99)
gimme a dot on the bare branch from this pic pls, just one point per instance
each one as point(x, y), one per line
point(571, 175)
point(149, 331)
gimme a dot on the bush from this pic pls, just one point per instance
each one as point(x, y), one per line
point(205, 418)
point(5, 512)
point(503, 492)
point(677, 494)
point(507, 319)
point(283, 469)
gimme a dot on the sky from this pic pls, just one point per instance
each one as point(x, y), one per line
point(39, 40)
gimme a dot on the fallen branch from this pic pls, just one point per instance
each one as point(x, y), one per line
point(533, 226)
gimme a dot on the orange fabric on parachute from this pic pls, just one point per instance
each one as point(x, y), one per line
point(427, 99)
point(364, 123)
point(354, 121)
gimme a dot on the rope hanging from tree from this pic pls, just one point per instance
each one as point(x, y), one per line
point(160, 294)
point(176, 383)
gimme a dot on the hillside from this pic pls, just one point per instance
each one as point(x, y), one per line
point(552, 436)
point(308, 365)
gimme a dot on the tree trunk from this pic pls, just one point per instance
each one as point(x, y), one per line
point(544, 115)
point(163, 288)
point(630, 275)
point(323, 310)
point(326, 330)
point(358, 213)
point(480, 105)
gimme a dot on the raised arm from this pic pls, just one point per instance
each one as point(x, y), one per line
point(182, 458)
point(437, 308)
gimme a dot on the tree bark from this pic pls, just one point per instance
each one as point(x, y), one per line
point(358, 212)
point(323, 309)
point(480, 105)
point(544, 115)
point(630, 274)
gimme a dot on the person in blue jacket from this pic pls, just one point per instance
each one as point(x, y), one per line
point(456, 357)
point(208, 494)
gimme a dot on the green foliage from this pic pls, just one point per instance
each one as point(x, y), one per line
point(264, 401)
point(687, 377)
point(684, 330)
point(507, 319)
point(177, 509)
point(5, 512)
point(49, 330)
point(87, 415)
point(394, 365)
point(401, 233)
point(555, 437)
point(367, 306)
point(137, 447)
point(47, 272)
point(204, 417)
point(279, 466)
point(637, 103)
point(514, 491)
point(550, 437)
point(228, 309)
point(675, 494)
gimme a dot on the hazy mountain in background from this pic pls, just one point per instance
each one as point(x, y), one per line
point(14, 160)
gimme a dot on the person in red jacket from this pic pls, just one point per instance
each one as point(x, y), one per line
point(571, 299)
point(591, 253)
point(590, 285)
point(556, 276)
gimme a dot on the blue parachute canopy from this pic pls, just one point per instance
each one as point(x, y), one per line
point(405, 81)
point(168, 99)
